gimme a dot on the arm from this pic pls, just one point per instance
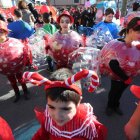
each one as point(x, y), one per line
point(132, 128)
point(115, 67)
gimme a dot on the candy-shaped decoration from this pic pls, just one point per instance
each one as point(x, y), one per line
point(130, 16)
point(127, 56)
point(61, 45)
point(37, 45)
point(100, 37)
point(13, 56)
point(85, 58)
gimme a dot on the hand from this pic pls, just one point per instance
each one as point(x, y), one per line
point(128, 81)
point(131, 131)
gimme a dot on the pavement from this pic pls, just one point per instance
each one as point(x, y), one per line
point(22, 113)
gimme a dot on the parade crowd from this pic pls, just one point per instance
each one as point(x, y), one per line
point(77, 48)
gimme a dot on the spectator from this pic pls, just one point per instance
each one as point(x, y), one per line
point(19, 28)
point(27, 15)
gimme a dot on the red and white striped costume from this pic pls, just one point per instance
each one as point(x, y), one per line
point(83, 126)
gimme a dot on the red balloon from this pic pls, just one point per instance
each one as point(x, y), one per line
point(44, 8)
point(61, 45)
point(129, 17)
point(127, 56)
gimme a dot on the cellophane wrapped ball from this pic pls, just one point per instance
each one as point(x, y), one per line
point(61, 45)
point(37, 45)
point(99, 38)
point(13, 56)
point(127, 56)
point(129, 17)
point(85, 58)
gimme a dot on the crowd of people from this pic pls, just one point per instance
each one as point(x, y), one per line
point(65, 117)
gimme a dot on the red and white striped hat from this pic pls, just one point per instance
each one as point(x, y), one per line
point(37, 79)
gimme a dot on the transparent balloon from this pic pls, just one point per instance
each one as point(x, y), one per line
point(37, 44)
point(61, 45)
point(127, 56)
point(85, 58)
point(100, 37)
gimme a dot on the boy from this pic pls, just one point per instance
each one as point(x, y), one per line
point(65, 118)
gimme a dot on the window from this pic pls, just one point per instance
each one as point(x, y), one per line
point(76, 1)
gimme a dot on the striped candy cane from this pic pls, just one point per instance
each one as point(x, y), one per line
point(37, 79)
point(84, 74)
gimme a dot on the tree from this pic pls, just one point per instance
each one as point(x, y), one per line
point(124, 6)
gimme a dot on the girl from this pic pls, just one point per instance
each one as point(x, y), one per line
point(118, 56)
point(64, 41)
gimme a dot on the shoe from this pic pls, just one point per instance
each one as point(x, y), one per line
point(16, 99)
point(109, 111)
point(118, 111)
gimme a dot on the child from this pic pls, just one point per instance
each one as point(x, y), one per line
point(114, 61)
point(65, 118)
point(64, 41)
point(49, 29)
point(12, 60)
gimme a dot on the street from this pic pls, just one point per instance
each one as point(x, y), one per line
point(22, 113)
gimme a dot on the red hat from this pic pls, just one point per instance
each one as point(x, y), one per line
point(135, 90)
point(65, 13)
point(5, 130)
point(3, 25)
point(37, 79)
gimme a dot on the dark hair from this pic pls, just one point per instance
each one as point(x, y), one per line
point(2, 17)
point(46, 17)
point(31, 7)
point(9, 20)
point(133, 24)
point(60, 93)
point(21, 5)
point(109, 11)
point(18, 13)
point(136, 5)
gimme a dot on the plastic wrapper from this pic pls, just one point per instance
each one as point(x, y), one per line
point(100, 37)
point(87, 31)
point(85, 58)
point(12, 56)
point(129, 17)
point(37, 45)
point(61, 45)
point(127, 56)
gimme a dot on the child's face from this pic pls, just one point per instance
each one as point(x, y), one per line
point(61, 112)
point(65, 23)
point(135, 35)
point(109, 18)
